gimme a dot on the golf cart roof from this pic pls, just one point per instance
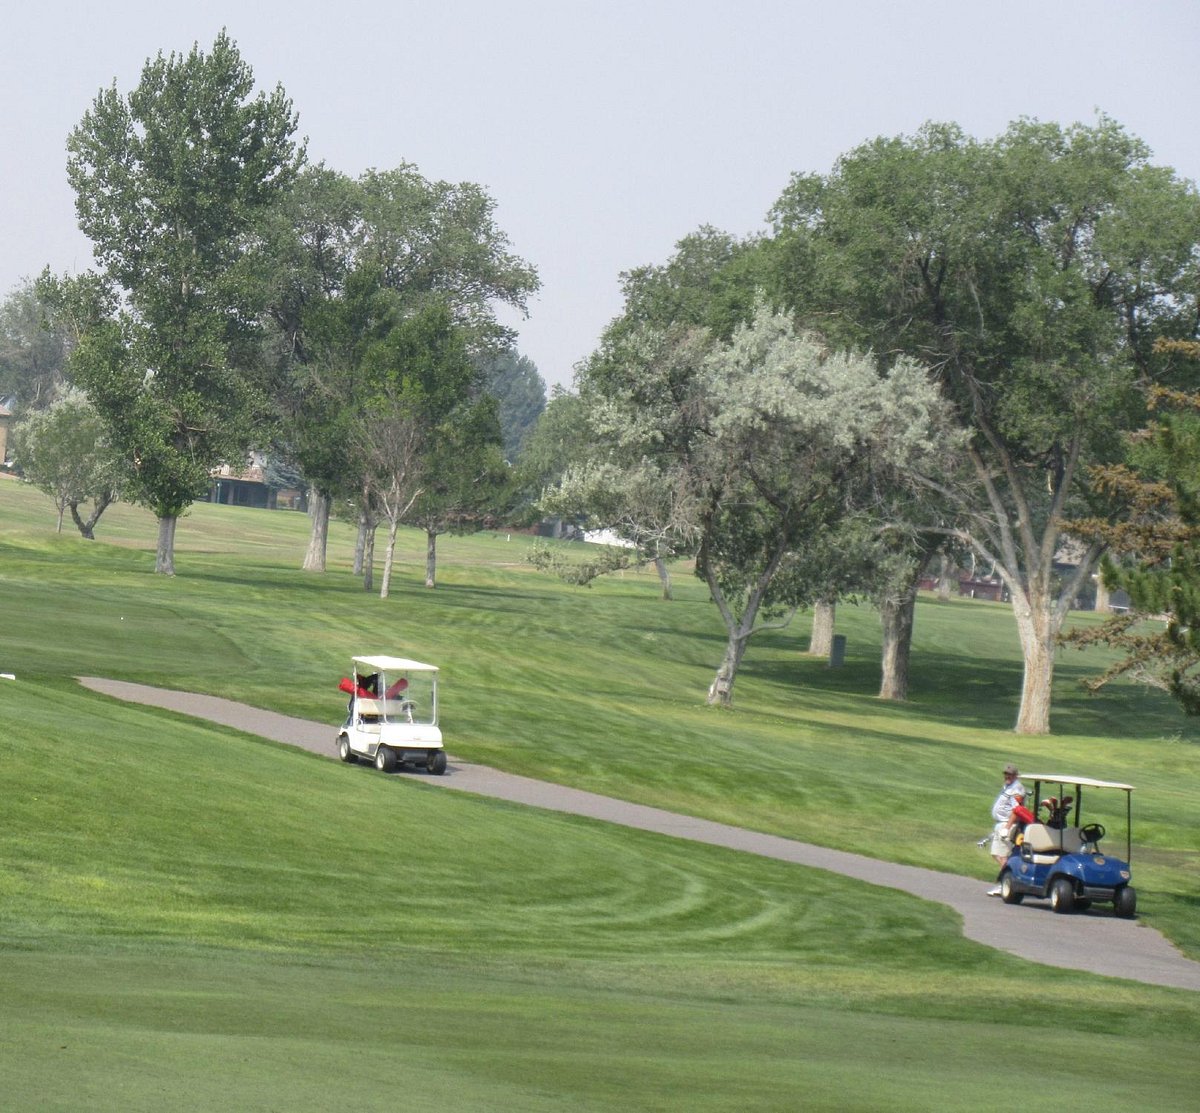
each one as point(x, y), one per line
point(390, 664)
point(1086, 782)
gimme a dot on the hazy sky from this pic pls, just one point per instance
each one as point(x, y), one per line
point(605, 131)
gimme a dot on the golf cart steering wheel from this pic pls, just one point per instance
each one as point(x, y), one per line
point(1093, 832)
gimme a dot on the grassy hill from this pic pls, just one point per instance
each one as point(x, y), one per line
point(193, 918)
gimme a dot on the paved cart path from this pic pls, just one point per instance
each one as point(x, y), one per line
point(1095, 941)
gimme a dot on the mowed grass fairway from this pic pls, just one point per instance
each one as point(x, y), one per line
point(194, 918)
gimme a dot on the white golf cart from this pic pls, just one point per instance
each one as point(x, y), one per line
point(392, 717)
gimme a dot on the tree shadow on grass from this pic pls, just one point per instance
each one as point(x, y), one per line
point(982, 694)
point(944, 688)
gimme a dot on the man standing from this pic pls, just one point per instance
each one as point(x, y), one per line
point(1011, 796)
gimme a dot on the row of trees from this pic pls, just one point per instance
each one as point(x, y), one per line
point(247, 300)
point(939, 343)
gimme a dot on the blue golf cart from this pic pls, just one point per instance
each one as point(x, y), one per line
point(1058, 857)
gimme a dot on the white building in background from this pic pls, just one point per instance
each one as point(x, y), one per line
point(607, 537)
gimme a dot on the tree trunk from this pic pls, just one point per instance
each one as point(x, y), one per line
point(1038, 631)
point(87, 526)
point(1037, 625)
point(84, 527)
point(944, 580)
point(388, 556)
point(360, 542)
point(164, 559)
point(897, 615)
point(318, 539)
point(820, 644)
point(62, 509)
point(368, 557)
point(720, 692)
point(738, 630)
point(1036, 685)
point(1103, 600)
point(664, 577)
point(431, 558)
point(1039, 613)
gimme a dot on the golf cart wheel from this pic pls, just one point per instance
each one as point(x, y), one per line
point(1062, 895)
point(1082, 904)
point(385, 759)
point(1125, 902)
point(437, 762)
point(344, 751)
point(1008, 892)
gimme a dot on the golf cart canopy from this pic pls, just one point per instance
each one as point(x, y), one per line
point(1063, 782)
point(390, 664)
point(1086, 782)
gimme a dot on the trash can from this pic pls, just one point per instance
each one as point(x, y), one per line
point(837, 652)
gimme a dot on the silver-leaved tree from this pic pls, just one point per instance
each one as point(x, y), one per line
point(757, 446)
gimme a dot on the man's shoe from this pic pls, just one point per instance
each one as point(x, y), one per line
point(994, 892)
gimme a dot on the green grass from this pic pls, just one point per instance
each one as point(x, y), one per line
point(193, 918)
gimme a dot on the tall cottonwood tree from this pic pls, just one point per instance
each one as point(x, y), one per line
point(1032, 274)
point(309, 240)
point(424, 245)
point(170, 182)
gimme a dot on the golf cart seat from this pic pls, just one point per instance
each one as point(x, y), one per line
point(371, 709)
point(1046, 844)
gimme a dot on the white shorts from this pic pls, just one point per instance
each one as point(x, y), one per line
point(1001, 843)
